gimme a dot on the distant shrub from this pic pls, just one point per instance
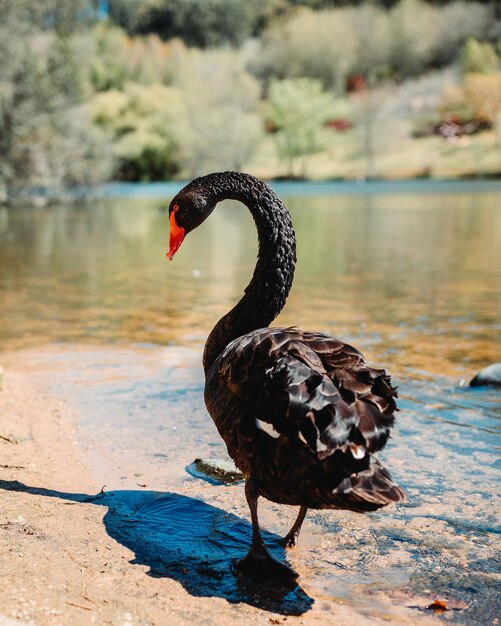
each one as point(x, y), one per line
point(479, 58)
point(366, 40)
point(298, 110)
point(109, 107)
point(222, 100)
point(458, 21)
point(201, 23)
point(116, 58)
point(69, 153)
point(318, 45)
point(46, 137)
point(454, 105)
point(414, 33)
point(483, 95)
point(127, 13)
point(372, 38)
point(63, 72)
point(107, 67)
point(146, 122)
point(150, 60)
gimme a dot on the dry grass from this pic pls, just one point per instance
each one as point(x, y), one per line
point(473, 156)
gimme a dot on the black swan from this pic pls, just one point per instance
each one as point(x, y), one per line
point(301, 413)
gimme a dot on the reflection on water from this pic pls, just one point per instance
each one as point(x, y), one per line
point(414, 279)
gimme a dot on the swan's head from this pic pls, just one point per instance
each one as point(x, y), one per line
point(188, 209)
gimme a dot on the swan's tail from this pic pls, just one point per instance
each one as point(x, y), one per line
point(367, 490)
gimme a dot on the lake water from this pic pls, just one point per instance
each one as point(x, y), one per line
point(411, 274)
point(413, 278)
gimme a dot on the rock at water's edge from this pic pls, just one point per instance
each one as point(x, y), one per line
point(219, 469)
point(490, 375)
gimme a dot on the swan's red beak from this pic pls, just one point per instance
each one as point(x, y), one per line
point(176, 236)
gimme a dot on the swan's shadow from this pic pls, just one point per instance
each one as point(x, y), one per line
point(189, 541)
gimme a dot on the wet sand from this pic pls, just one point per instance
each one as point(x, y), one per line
point(157, 546)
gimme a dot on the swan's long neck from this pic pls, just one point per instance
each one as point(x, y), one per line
point(267, 292)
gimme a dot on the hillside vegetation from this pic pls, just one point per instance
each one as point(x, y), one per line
point(155, 89)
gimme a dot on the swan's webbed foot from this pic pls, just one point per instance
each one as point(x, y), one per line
point(290, 539)
point(261, 563)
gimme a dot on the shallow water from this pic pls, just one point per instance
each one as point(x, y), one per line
point(142, 423)
point(413, 279)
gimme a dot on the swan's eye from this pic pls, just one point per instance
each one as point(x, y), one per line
point(175, 208)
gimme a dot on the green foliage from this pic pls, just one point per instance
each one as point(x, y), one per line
point(298, 109)
point(202, 23)
point(425, 35)
point(366, 40)
point(116, 58)
point(67, 153)
point(458, 21)
point(414, 32)
point(127, 13)
point(483, 95)
point(62, 16)
point(222, 100)
point(45, 136)
point(317, 45)
point(145, 123)
point(63, 71)
point(479, 58)
point(454, 105)
point(107, 69)
point(79, 94)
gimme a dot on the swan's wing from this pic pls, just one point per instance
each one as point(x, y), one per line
point(311, 387)
point(366, 389)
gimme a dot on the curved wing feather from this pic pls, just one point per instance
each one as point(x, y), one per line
point(311, 387)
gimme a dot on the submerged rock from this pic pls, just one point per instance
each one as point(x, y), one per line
point(490, 375)
point(222, 470)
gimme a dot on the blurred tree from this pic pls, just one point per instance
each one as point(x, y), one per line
point(146, 122)
point(483, 94)
point(368, 41)
point(150, 60)
point(69, 156)
point(375, 123)
point(39, 121)
point(63, 72)
point(317, 45)
point(62, 16)
point(202, 23)
point(371, 30)
point(479, 58)
point(458, 21)
point(127, 14)
point(414, 33)
point(224, 127)
point(107, 66)
point(298, 109)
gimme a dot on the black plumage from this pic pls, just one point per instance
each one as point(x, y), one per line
point(301, 413)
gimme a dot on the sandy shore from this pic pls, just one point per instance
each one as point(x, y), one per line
point(60, 562)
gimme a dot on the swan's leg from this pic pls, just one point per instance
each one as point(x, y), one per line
point(259, 560)
point(289, 541)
